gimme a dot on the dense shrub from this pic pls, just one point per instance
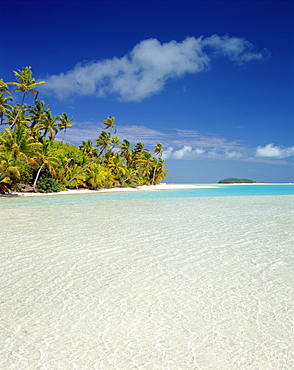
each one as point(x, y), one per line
point(47, 183)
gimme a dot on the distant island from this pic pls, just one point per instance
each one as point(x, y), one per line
point(234, 180)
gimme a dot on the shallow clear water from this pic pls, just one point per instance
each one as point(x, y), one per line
point(147, 280)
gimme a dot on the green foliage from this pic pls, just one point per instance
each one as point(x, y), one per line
point(27, 174)
point(30, 155)
point(66, 152)
point(47, 183)
point(234, 180)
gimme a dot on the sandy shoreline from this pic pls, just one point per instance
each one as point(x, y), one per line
point(139, 188)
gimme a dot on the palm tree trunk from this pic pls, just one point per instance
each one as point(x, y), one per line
point(63, 135)
point(37, 178)
point(153, 178)
point(81, 170)
point(136, 173)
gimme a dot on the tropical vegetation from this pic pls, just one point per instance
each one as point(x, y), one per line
point(34, 158)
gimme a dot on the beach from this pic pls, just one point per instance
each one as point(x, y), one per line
point(155, 280)
point(139, 188)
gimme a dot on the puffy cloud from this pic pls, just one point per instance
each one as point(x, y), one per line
point(167, 153)
point(271, 151)
point(147, 68)
point(186, 152)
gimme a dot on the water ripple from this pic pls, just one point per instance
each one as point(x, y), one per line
point(198, 283)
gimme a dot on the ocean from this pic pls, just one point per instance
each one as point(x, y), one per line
point(167, 279)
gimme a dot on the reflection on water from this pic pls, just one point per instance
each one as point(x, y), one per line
point(175, 283)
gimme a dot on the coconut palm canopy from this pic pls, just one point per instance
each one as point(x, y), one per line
point(32, 158)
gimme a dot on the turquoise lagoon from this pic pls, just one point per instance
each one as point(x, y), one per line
point(169, 279)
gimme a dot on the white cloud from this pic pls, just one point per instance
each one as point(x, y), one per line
point(167, 153)
point(147, 68)
point(232, 154)
point(271, 151)
point(187, 153)
point(184, 144)
point(237, 49)
point(180, 144)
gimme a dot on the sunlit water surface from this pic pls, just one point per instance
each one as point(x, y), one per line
point(117, 282)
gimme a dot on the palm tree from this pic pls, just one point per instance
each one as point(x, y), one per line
point(3, 87)
point(65, 122)
point(160, 171)
point(110, 123)
point(143, 166)
point(88, 149)
point(114, 141)
point(136, 153)
point(18, 116)
point(95, 175)
point(125, 150)
point(158, 150)
point(46, 160)
point(37, 113)
point(117, 167)
point(146, 164)
point(49, 124)
point(139, 148)
point(4, 107)
point(21, 146)
point(103, 141)
point(8, 166)
point(26, 83)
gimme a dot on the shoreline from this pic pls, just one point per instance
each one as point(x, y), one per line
point(88, 191)
point(157, 187)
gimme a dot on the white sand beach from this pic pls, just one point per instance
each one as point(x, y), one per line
point(162, 186)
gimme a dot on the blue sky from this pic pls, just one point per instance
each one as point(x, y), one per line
point(211, 80)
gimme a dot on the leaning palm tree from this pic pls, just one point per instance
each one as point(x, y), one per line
point(104, 142)
point(65, 122)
